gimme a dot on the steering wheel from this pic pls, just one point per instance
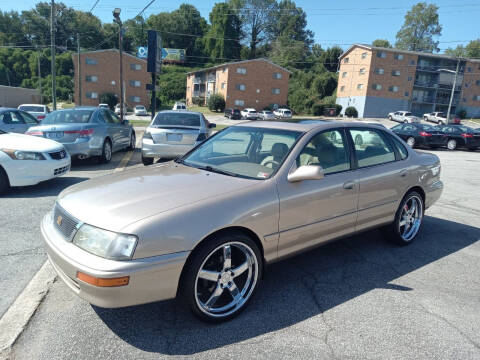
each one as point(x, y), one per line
point(273, 162)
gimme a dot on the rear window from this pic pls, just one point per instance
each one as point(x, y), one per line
point(251, 111)
point(176, 119)
point(68, 117)
point(32, 108)
point(288, 112)
point(408, 114)
point(427, 127)
point(236, 111)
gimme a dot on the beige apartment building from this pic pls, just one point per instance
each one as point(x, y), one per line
point(100, 73)
point(378, 80)
point(255, 83)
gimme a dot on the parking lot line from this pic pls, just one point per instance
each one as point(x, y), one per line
point(123, 163)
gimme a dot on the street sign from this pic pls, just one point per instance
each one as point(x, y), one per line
point(142, 52)
point(154, 53)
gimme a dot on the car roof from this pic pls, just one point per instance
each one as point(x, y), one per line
point(2, 109)
point(32, 105)
point(93, 108)
point(182, 112)
point(307, 125)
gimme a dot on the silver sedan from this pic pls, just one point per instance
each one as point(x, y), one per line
point(205, 226)
point(86, 132)
point(174, 133)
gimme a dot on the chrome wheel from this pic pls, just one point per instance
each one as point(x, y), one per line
point(411, 141)
point(108, 151)
point(452, 144)
point(226, 279)
point(410, 218)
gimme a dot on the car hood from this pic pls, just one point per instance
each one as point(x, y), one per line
point(27, 143)
point(114, 201)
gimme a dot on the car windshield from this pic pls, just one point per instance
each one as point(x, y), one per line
point(251, 111)
point(254, 153)
point(68, 117)
point(176, 119)
point(287, 112)
point(32, 108)
point(140, 107)
point(267, 112)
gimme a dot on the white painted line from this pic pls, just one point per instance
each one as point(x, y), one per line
point(14, 321)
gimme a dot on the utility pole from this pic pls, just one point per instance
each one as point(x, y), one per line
point(79, 100)
point(453, 91)
point(39, 77)
point(52, 38)
point(116, 15)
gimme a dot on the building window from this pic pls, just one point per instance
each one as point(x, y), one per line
point(344, 74)
point(393, 89)
point(469, 69)
point(379, 71)
point(342, 88)
point(91, 78)
point(224, 69)
point(395, 72)
point(90, 61)
point(466, 85)
point(135, 99)
point(407, 93)
point(476, 98)
point(258, 91)
point(135, 83)
point(398, 56)
point(277, 75)
point(345, 61)
point(409, 78)
point(276, 91)
point(359, 86)
point(464, 100)
point(477, 82)
point(377, 87)
point(381, 54)
point(91, 95)
point(241, 70)
point(224, 85)
point(113, 82)
point(412, 62)
point(135, 66)
point(239, 103)
point(240, 87)
point(362, 71)
point(364, 55)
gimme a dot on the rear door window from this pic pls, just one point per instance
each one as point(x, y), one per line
point(29, 119)
point(402, 150)
point(373, 149)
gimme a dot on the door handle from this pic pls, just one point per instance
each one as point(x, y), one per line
point(349, 185)
point(403, 173)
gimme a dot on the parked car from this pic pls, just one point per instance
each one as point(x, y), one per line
point(233, 114)
point(421, 135)
point(249, 114)
point(438, 117)
point(179, 106)
point(403, 116)
point(105, 106)
point(117, 109)
point(36, 110)
point(140, 110)
point(283, 113)
point(460, 136)
point(266, 115)
point(25, 160)
point(87, 131)
point(203, 227)
point(172, 134)
point(16, 121)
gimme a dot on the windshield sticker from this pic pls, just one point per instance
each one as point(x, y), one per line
point(262, 175)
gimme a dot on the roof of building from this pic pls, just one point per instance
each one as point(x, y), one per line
point(110, 50)
point(239, 62)
point(420, 53)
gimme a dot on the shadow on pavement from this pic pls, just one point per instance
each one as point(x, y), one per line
point(94, 164)
point(51, 187)
point(293, 290)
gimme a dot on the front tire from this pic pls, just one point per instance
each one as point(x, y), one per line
point(222, 276)
point(390, 117)
point(147, 161)
point(4, 182)
point(133, 142)
point(411, 141)
point(425, 118)
point(408, 220)
point(106, 156)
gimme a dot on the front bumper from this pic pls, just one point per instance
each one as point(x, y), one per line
point(32, 172)
point(151, 279)
point(163, 150)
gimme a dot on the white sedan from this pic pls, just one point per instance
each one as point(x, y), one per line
point(28, 160)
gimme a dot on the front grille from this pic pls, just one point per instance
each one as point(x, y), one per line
point(64, 222)
point(58, 155)
point(61, 171)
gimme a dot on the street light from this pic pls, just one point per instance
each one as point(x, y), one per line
point(116, 19)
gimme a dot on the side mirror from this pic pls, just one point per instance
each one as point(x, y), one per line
point(306, 172)
point(125, 122)
point(211, 125)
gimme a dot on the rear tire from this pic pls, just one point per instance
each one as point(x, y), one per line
point(451, 144)
point(390, 117)
point(106, 156)
point(133, 142)
point(425, 118)
point(147, 161)
point(406, 226)
point(4, 182)
point(411, 141)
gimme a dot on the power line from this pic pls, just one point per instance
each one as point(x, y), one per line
point(93, 7)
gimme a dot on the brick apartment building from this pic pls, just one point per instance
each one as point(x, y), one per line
point(379, 80)
point(100, 73)
point(256, 83)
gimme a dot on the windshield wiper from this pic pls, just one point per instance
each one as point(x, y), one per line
point(216, 170)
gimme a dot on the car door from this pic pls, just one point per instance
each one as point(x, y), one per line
point(114, 129)
point(400, 131)
point(315, 211)
point(382, 178)
point(124, 129)
point(14, 122)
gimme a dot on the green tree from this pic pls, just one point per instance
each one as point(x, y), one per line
point(459, 51)
point(222, 40)
point(420, 29)
point(136, 31)
point(473, 49)
point(330, 58)
point(11, 29)
point(109, 98)
point(216, 102)
point(289, 53)
point(324, 84)
point(382, 43)
point(290, 22)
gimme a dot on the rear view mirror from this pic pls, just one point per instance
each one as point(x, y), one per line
point(306, 172)
point(210, 126)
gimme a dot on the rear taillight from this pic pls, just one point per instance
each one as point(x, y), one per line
point(81, 133)
point(467, 135)
point(40, 117)
point(202, 137)
point(34, 133)
point(426, 134)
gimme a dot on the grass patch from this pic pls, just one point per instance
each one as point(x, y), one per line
point(202, 109)
point(140, 123)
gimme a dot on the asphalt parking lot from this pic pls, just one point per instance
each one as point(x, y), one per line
point(359, 298)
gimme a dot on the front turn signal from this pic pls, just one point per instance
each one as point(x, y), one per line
point(103, 282)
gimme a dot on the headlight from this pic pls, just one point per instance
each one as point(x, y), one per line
point(23, 155)
point(105, 243)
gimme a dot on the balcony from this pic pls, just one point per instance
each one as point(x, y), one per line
point(449, 87)
point(424, 99)
point(199, 94)
point(446, 101)
point(199, 80)
point(211, 78)
point(425, 84)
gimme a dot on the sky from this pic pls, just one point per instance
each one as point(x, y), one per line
point(333, 22)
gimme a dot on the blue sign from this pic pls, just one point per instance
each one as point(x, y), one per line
point(142, 52)
point(164, 53)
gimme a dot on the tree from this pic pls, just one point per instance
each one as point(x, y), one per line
point(459, 51)
point(473, 49)
point(290, 22)
point(216, 102)
point(222, 41)
point(257, 20)
point(420, 28)
point(381, 43)
point(109, 98)
point(330, 58)
point(11, 29)
point(289, 53)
